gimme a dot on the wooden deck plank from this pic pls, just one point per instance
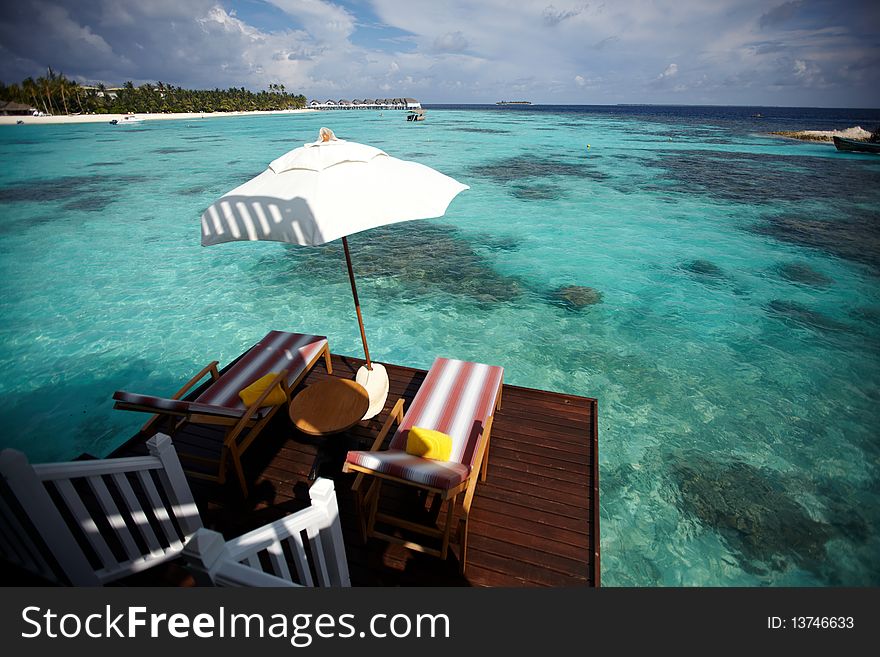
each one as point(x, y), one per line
point(534, 521)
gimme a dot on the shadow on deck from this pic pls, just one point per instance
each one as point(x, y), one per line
point(534, 522)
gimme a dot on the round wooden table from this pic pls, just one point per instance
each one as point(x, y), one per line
point(329, 406)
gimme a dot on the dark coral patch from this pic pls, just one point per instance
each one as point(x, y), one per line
point(410, 263)
point(799, 272)
point(854, 236)
point(575, 297)
point(702, 268)
point(538, 192)
point(753, 512)
point(799, 315)
point(524, 167)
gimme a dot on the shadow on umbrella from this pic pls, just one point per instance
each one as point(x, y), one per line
point(260, 218)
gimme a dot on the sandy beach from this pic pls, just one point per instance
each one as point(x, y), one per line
point(106, 118)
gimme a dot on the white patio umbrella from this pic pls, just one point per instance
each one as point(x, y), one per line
point(328, 190)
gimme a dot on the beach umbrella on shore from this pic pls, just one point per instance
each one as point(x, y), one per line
point(328, 190)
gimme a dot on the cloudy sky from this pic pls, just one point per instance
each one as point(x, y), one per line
point(743, 52)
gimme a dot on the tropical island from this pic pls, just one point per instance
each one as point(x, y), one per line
point(55, 94)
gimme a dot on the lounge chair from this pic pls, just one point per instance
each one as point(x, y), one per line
point(457, 398)
point(290, 355)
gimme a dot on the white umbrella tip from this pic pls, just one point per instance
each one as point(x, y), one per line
point(325, 135)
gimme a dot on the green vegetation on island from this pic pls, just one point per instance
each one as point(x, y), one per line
point(56, 94)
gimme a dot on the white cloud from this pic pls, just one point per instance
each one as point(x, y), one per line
point(671, 71)
point(324, 21)
point(451, 42)
point(579, 80)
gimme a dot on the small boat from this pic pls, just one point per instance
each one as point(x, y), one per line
point(415, 115)
point(851, 145)
point(125, 120)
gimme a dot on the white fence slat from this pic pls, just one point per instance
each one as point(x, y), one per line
point(318, 557)
point(7, 548)
point(86, 523)
point(254, 562)
point(174, 482)
point(45, 517)
point(19, 547)
point(299, 559)
point(138, 516)
point(278, 561)
point(159, 510)
point(113, 516)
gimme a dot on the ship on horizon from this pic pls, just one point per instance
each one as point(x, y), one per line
point(514, 102)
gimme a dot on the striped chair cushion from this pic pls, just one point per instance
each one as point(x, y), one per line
point(457, 398)
point(277, 351)
point(159, 403)
point(165, 405)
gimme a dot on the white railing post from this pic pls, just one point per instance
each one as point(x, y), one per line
point(324, 497)
point(185, 510)
point(205, 553)
point(32, 495)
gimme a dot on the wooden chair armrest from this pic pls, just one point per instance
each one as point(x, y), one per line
point(395, 414)
point(280, 379)
point(210, 367)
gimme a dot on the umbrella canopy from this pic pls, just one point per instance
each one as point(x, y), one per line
point(325, 191)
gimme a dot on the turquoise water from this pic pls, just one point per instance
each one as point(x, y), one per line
point(732, 341)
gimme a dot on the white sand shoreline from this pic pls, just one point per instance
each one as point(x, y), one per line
point(106, 118)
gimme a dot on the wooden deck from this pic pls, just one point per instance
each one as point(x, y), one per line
point(534, 521)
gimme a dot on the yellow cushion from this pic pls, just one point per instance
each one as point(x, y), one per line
point(250, 394)
point(429, 444)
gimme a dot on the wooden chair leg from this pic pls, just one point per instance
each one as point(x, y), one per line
point(236, 462)
point(450, 513)
point(362, 501)
point(463, 542)
point(484, 469)
point(327, 360)
point(375, 491)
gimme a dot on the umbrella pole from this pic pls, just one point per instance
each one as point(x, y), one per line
point(357, 303)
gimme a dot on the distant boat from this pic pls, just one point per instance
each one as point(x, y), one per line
point(130, 118)
point(415, 115)
point(851, 145)
point(514, 102)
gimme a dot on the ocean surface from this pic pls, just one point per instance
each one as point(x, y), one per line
point(714, 287)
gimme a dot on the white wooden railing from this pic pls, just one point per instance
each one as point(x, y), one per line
point(264, 556)
point(87, 523)
point(90, 522)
